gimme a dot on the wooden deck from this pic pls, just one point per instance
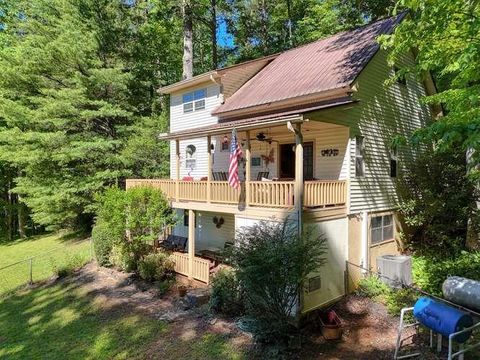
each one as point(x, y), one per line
point(271, 194)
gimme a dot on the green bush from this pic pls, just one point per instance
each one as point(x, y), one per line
point(431, 270)
point(226, 294)
point(156, 267)
point(73, 263)
point(127, 221)
point(103, 240)
point(272, 263)
point(372, 287)
point(394, 299)
point(437, 201)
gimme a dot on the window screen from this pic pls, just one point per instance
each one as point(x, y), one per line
point(359, 152)
point(314, 283)
point(194, 100)
point(381, 228)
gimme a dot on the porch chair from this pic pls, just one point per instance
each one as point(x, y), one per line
point(174, 243)
point(262, 174)
point(219, 176)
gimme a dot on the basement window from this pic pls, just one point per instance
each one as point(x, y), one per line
point(381, 228)
point(314, 284)
point(194, 100)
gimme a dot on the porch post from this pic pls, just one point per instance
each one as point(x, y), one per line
point(177, 175)
point(248, 169)
point(209, 169)
point(299, 183)
point(191, 242)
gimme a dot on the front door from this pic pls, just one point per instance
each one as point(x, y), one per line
point(287, 161)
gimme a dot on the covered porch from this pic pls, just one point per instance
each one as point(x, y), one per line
point(297, 163)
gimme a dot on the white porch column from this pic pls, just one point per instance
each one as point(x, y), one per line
point(177, 170)
point(299, 183)
point(248, 169)
point(191, 242)
point(209, 169)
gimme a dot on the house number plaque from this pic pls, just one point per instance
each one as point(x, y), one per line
point(329, 152)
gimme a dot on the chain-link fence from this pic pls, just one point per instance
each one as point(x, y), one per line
point(43, 266)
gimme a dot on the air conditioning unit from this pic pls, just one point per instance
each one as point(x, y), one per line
point(395, 270)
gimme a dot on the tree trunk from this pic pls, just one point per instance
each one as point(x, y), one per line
point(187, 39)
point(21, 218)
point(289, 23)
point(213, 9)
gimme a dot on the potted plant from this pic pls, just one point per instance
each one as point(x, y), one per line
point(331, 325)
point(182, 290)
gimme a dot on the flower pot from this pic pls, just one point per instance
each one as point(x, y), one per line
point(331, 325)
point(182, 290)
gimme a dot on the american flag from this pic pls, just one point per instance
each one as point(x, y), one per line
point(235, 155)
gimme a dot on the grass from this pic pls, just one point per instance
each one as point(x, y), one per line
point(67, 321)
point(62, 322)
point(67, 251)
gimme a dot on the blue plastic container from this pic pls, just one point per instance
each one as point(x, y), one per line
point(441, 318)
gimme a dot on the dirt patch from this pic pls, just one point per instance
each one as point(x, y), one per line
point(369, 331)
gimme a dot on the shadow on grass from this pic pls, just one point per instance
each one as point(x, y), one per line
point(63, 321)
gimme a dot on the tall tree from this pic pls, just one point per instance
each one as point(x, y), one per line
point(187, 13)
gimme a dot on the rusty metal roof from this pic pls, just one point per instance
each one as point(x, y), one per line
point(326, 64)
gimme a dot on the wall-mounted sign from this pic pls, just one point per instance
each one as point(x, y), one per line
point(330, 152)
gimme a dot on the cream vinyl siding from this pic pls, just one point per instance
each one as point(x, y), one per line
point(207, 235)
point(180, 121)
point(324, 136)
point(383, 112)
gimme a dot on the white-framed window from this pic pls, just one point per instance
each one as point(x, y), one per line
point(381, 228)
point(393, 161)
point(359, 152)
point(190, 157)
point(194, 100)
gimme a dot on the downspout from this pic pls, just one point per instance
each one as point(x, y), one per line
point(364, 241)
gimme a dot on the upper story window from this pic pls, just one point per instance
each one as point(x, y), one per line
point(359, 152)
point(401, 79)
point(393, 161)
point(191, 157)
point(381, 228)
point(194, 100)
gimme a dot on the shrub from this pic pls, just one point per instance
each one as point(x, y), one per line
point(103, 240)
point(126, 222)
point(226, 294)
point(68, 267)
point(437, 201)
point(272, 264)
point(156, 267)
point(372, 287)
point(431, 270)
point(394, 299)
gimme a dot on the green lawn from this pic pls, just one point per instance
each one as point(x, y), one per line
point(68, 321)
point(63, 249)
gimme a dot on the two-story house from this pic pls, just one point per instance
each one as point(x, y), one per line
point(316, 125)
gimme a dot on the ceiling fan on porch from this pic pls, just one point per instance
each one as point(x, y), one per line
point(263, 138)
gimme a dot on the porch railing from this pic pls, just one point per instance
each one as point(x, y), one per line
point(275, 194)
point(201, 267)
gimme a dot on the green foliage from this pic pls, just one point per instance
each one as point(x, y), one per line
point(372, 287)
point(74, 262)
point(226, 297)
point(431, 270)
point(394, 299)
point(272, 263)
point(127, 222)
point(156, 267)
point(437, 200)
point(448, 48)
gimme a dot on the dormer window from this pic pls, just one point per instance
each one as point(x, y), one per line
point(194, 100)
